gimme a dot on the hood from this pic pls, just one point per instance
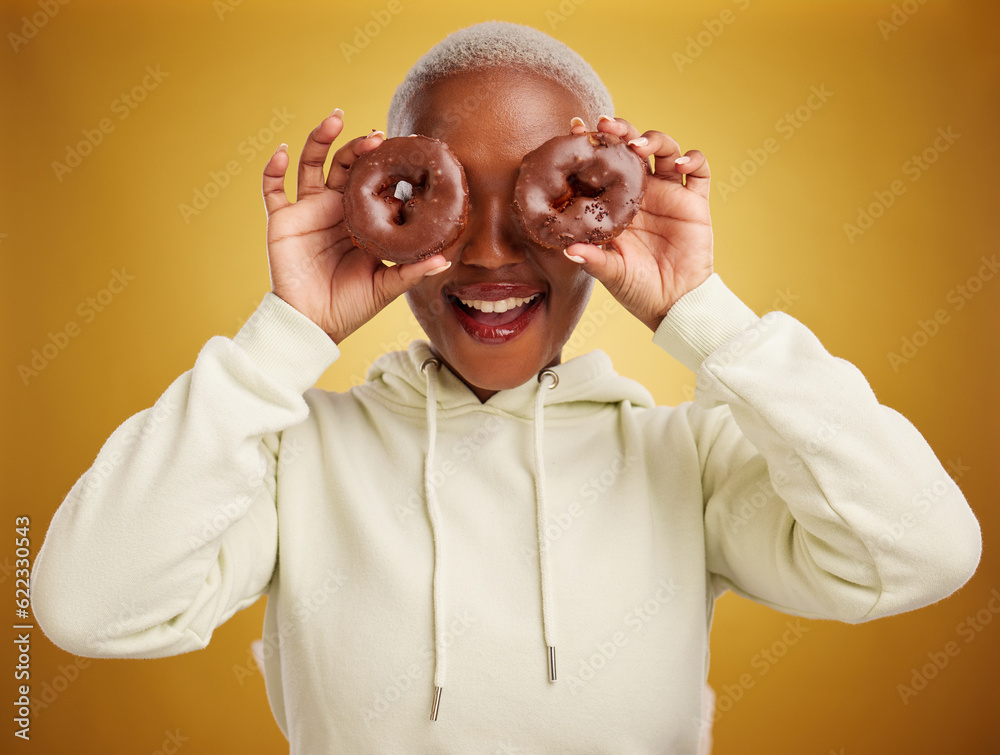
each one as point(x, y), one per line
point(586, 383)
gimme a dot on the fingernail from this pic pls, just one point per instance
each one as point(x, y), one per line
point(577, 122)
point(281, 148)
point(573, 257)
point(682, 161)
point(437, 270)
point(380, 134)
point(605, 118)
point(337, 112)
point(639, 141)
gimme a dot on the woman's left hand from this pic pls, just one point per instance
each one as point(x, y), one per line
point(667, 249)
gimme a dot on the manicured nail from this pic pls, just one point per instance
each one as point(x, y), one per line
point(437, 270)
point(639, 141)
point(337, 112)
point(281, 148)
point(414, 134)
point(374, 132)
point(605, 118)
point(577, 122)
point(682, 161)
point(573, 257)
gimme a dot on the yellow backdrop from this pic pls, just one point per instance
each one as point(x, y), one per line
point(854, 148)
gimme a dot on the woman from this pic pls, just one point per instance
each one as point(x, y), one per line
point(528, 548)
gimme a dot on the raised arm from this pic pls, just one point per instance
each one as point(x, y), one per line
point(173, 528)
point(819, 501)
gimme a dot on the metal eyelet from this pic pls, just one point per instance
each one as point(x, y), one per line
point(428, 362)
point(552, 374)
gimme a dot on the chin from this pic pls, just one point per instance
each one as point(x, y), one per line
point(499, 367)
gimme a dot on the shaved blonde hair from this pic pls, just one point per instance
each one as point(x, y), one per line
point(500, 44)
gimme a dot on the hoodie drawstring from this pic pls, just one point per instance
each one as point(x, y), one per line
point(434, 514)
point(548, 623)
point(437, 534)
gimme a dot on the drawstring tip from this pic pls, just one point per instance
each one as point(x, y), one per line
point(436, 704)
point(552, 664)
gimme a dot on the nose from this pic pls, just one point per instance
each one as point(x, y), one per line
point(492, 236)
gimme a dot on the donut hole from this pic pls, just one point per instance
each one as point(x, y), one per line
point(581, 188)
point(576, 187)
point(401, 194)
point(403, 191)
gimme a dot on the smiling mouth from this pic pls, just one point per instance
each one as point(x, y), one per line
point(495, 322)
point(496, 313)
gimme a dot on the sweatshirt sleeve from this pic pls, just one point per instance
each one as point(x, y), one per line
point(174, 528)
point(819, 501)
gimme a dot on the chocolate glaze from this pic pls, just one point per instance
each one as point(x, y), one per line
point(579, 188)
point(406, 230)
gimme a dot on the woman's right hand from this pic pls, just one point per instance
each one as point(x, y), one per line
point(314, 265)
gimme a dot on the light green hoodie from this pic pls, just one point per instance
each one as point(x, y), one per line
point(409, 537)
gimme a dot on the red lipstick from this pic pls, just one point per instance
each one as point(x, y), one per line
point(494, 328)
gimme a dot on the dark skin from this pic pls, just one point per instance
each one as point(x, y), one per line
point(490, 119)
point(494, 248)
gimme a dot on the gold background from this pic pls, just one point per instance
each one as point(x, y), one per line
point(780, 243)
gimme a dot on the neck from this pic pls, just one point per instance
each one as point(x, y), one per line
point(484, 394)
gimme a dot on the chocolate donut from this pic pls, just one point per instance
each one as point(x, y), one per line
point(579, 188)
point(425, 219)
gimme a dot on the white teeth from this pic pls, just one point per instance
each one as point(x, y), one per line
point(497, 306)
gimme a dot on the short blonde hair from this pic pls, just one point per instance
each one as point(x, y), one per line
point(499, 44)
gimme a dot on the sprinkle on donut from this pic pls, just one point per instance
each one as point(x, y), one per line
point(407, 199)
point(579, 188)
